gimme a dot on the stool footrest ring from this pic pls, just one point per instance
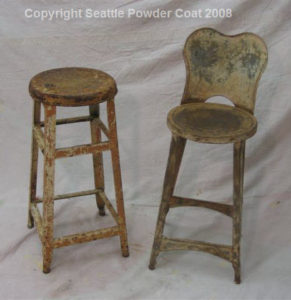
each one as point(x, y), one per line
point(70, 120)
point(100, 124)
point(71, 195)
point(87, 193)
point(226, 209)
point(82, 149)
point(222, 251)
point(79, 237)
point(86, 236)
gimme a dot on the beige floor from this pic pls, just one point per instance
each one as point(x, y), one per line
point(97, 270)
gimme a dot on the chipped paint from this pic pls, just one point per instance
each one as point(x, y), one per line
point(221, 65)
point(216, 65)
point(73, 87)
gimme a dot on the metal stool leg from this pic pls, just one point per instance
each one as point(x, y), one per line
point(48, 185)
point(175, 157)
point(97, 157)
point(117, 175)
point(238, 175)
point(34, 161)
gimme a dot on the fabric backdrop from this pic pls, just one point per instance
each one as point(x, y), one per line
point(144, 55)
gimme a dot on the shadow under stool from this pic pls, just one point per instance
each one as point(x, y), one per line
point(71, 87)
point(216, 65)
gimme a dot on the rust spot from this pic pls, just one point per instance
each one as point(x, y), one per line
point(203, 55)
point(251, 62)
point(223, 65)
point(72, 87)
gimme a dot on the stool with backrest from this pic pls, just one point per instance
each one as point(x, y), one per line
point(73, 87)
point(216, 65)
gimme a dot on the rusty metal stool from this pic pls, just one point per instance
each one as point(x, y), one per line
point(216, 65)
point(73, 87)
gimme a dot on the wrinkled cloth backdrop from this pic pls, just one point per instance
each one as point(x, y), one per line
point(145, 58)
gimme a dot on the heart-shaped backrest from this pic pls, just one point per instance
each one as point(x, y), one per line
point(222, 65)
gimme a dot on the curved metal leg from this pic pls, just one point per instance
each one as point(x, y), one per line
point(175, 157)
point(238, 176)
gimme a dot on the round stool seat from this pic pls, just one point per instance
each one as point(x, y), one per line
point(72, 87)
point(211, 123)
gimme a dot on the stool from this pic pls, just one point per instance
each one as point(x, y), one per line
point(216, 65)
point(73, 87)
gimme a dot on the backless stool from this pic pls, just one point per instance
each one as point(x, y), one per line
point(216, 65)
point(73, 87)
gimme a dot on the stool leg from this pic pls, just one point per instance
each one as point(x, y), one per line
point(97, 157)
point(238, 175)
point(175, 157)
point(48, 185)
point(117, 175)
point(34, 161)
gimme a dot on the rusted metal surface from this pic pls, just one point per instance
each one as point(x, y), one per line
point(70, 195)
point(99, 192)
point(57, 87)
point(222, 251)
point(238, 180)
point(34, 161)
point(102, 126)
point(222, 65)
point(39, 137)
point(99, 123)
point(97, 156)
point(70, 120)
point(48, 185)
point(109, 206)
point(211, 123)
point(226, 209)
point(37, 219)
point(175, 157)
point(81, 149)
point(72, 87)
point(216, 65)
point(86, 236)
point(117, 175)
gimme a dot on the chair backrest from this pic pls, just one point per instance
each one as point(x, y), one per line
point(222, 65)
